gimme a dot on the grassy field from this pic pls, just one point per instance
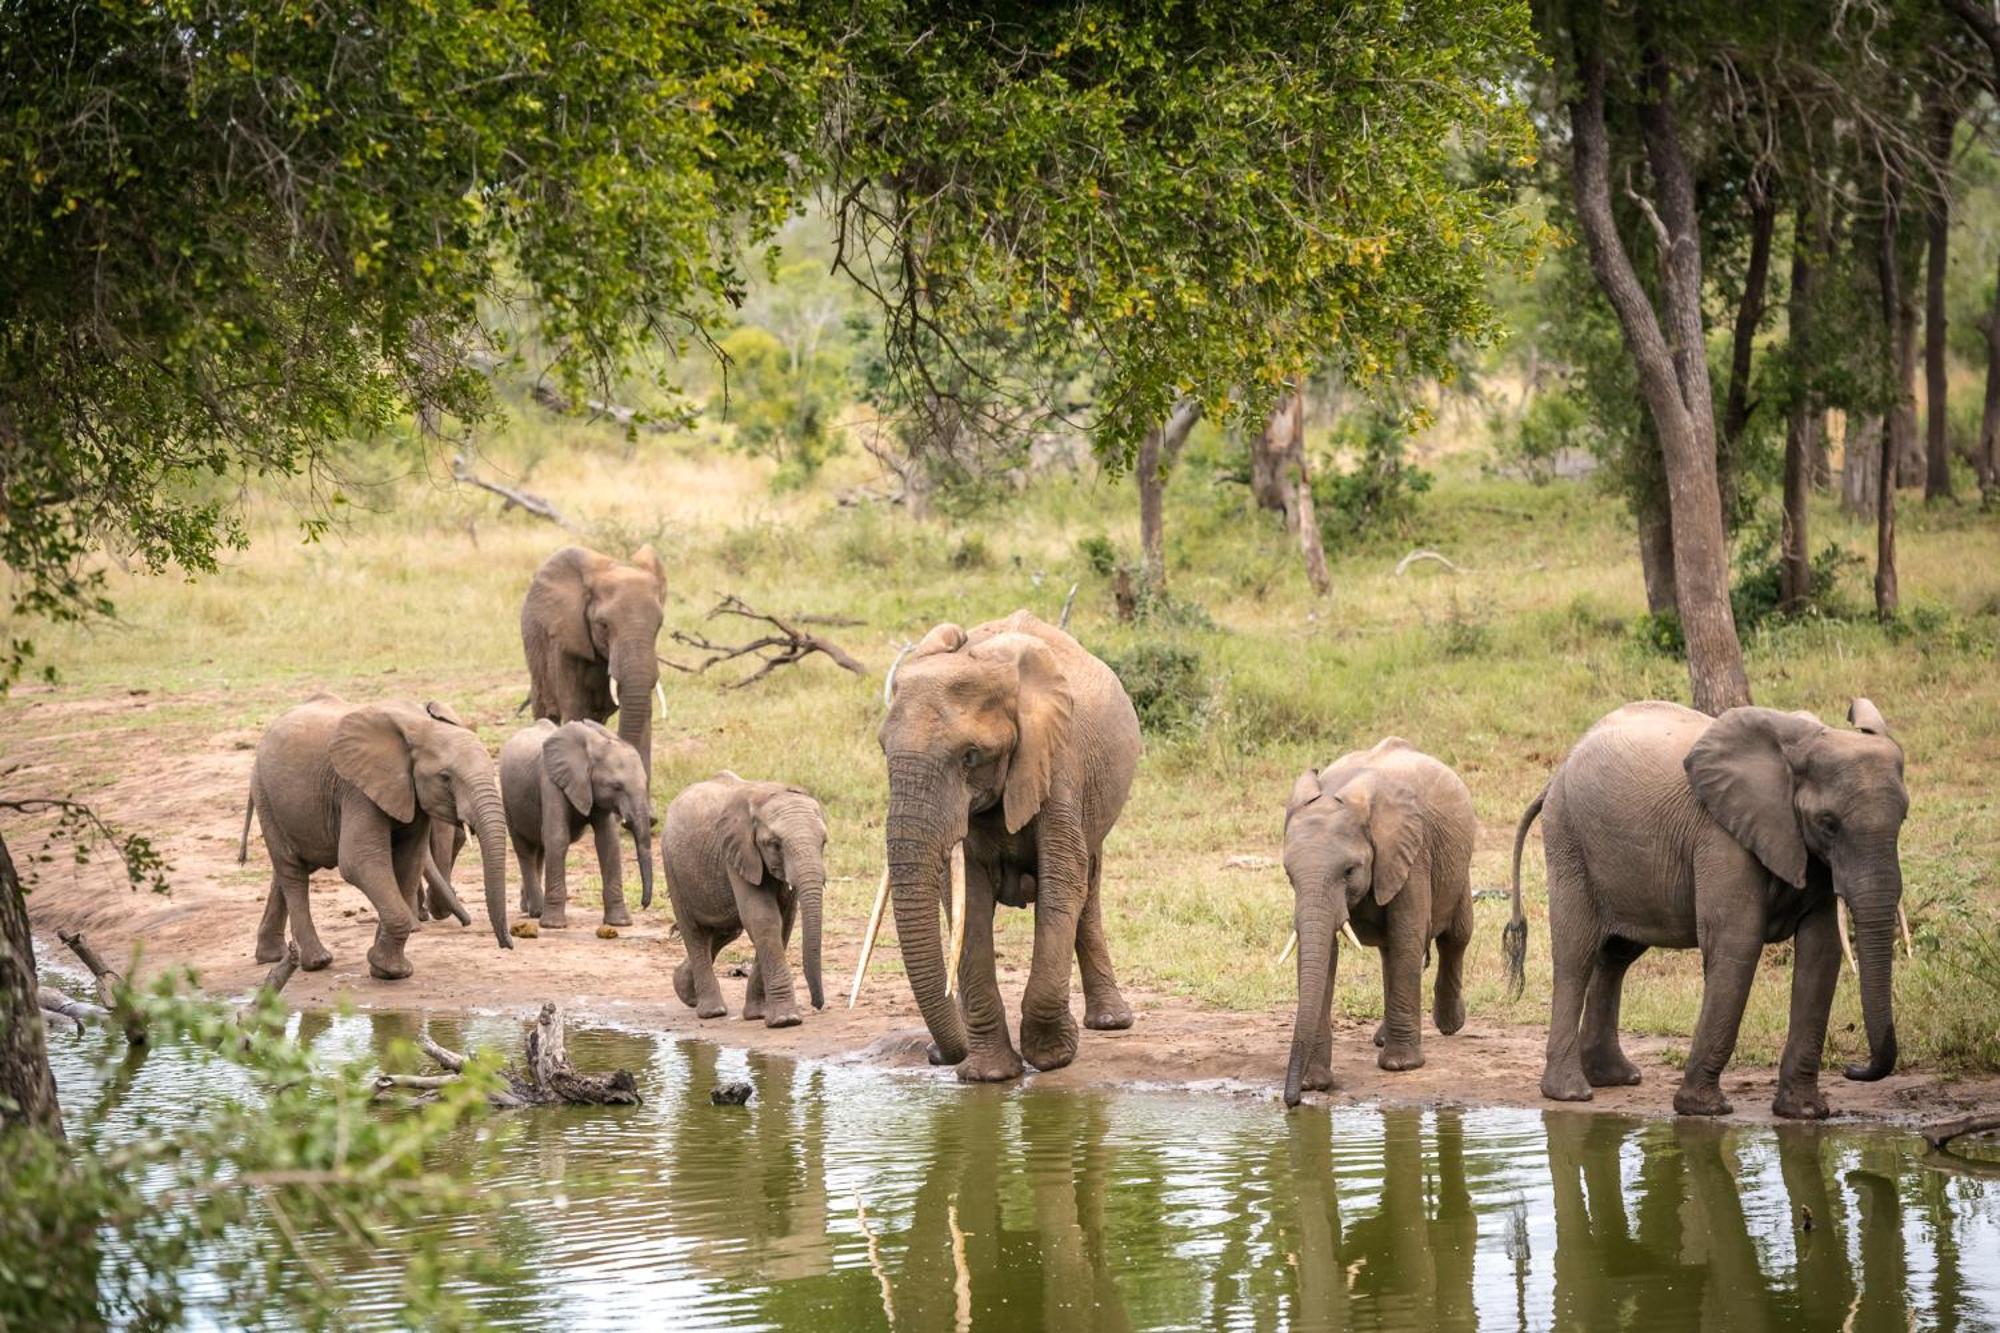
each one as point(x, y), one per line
point(1495, 668)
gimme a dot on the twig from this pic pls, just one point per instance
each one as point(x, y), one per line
point(461, 471)
point(1062, 621)
point(1414, 556)
point(789, 645)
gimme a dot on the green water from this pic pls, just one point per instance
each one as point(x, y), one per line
point(1021, 1208)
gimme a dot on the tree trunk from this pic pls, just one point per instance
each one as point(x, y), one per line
point(1300, 512)
point(1270, 457)
point(1889, 266)
point(27, 1085)
point(1669, 357)
point(1937, 459)
point(1794, 552)
point(1157, 454)
point(1860, 462)
point(1742, 346)
point(1986, 454)
point(1903, 417)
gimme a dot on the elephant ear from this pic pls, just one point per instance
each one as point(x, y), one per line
point(944, 638)
point(371, 754)
point(442, 712)
point(1742, 771)
point(558, 603)
point(648, 559)
point(566, 759)
point(1395, 831)
point(1042, 708)
point(1304, 792)
point(739, 838)
point(1866, 717)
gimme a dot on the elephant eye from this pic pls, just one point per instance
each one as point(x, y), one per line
point(971, 758)
point(1829, 821)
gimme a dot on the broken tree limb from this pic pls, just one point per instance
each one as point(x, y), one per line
point(1404, 564)
point(544, 1077)
point(111, 987)
point(461, 472)
point(1982, 1122)
point(1062, 621)
point(76, 1011)
point(445, 1056)
point(788, 645)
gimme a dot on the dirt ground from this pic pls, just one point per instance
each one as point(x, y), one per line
point(169, 779)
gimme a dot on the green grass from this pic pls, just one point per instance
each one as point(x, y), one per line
point(1495, 669)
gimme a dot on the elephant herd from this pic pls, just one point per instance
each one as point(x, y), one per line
point(1663, 828)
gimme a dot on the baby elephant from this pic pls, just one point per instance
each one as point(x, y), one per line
point(1382, 842)
point(745, 856)
point(554, 781)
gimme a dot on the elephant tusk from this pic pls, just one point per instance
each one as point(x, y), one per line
point(661, 695)
point(1286, 952)
point(1840, 924)
point(1347, 929)
point(612, 681)
point(956, 925)
point(1909, 945)
point(868, 939)
point(889, 679)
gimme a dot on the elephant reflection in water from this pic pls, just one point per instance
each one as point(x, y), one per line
point(750, 1186)
point(1409, 1262)
point(1696, 1253)
point(1050, 1269)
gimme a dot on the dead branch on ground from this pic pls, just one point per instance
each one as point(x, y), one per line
point(111, 988)
point(544, 1077)
point(461, 472)
point(788, 645)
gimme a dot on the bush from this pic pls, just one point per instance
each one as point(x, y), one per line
point(1098, 554)
point(1381, 491)
point(780, 408)
point(1555, 422)
point(1754, 598)
point(1660, 632)
point(971, 553)
point(1167, 682)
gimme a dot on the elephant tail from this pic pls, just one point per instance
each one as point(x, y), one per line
point(249, 813)
point(1514, 939)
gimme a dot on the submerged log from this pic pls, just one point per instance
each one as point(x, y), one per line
point(111, 987)
point(53, 1001)
point(545, 1076)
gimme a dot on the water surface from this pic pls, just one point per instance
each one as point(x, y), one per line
point(846, 1197)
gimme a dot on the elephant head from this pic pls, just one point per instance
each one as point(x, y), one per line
point(1347, 835)
point(592, 608)
point(407, 760)
point(781, 832)
point(1814, 803)
point(596, 770)
point(970, 727)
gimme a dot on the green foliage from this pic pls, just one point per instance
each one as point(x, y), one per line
point(1167, 682)
point(1660, 632)
point(1557, 421)
point(104, 1229)
point(1754, 595)
point(779, 404)
point(1098, 554)
point(971, 553)
point(1380, 490)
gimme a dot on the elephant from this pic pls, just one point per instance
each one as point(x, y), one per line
point(1017, 741)
point(1666, 828)
point(555, 781)
point(590, 626)
point(438, 899)
point(1381, 841)
point(360, 787)
point(742, 857)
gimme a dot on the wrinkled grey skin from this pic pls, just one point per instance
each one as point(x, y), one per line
point(1665, 828)
point(746, 856)
point(590, 623)
point(1018, 741)
point(558, 780)
point(360, 787)
point(438, 899)
point(1382, 840)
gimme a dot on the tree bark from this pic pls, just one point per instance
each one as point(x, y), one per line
point(1270, 457)
point(1158, 453)
point(1300, 511)
point(1656, 559)
point(1669, 356)
point(1937, 458)
point(1860, 461)
point(1986, 454)
point(27, 1085)
point(1889, 266)
point(1794, 552)
point(1742, 347)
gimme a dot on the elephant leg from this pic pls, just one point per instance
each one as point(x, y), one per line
point(1318, 1076)
point(1448, 998)
point(1574, 936)
point(1604, 1063)
point(990, 1056)
point(371, 862)
point(531, 874)
point(294, 882)
point(1730, 950)
point(1104, 1009)
point(764, 920)
point(1815, 973)
point(701, 988)
point(611, 869)
point(555, 869)
point(271, 930)
point(1048, 1029)
point(1402, 1002)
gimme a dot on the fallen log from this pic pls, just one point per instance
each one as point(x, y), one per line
point(461, 472)
point(788, 645)
point(544, 1077)
point(1982, 1122)
point(111, 987)
point(76, 1011)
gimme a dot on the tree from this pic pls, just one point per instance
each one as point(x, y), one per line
point(27, 1088)
point(1158, 452)
point(1940, 124)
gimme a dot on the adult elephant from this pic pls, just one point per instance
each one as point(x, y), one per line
point(590, 626)
point(360, 787)
point(1668, 828)
point(1016, 740)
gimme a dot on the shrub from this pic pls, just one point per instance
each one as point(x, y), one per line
point(1098, 554)
point(1167, 682)
point(1555, 422)
point(971, 552)
point(1754, 598)
point(1382, 489)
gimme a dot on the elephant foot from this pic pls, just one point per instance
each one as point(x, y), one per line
point(1398, 1058)
point(1449, 1017)
point(555, 918)
point(1049, 1045)
point(783, 1018)
point(315, 959)
point(684, 984)
point(1109, 1015)
point(270, 953)
point(753, 1007)
point(1803, 1103)
point(1610, 1070)
point(1317, 1078)
point(387, 966)
point(989, 1067)
point(1566, 1086)
point(1701, 1101)
point(716, 1010)
point(617, 916)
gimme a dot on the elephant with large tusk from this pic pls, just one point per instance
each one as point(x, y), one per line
point(1666, 828)
point(361, 787)
point(1015, 740)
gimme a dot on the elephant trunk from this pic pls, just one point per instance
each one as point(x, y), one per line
point(1873, 907)
point(1317, 925)
point(489, 824)
point(812, 895)
point(642, 842)
point(921, 831)
point(636, 670)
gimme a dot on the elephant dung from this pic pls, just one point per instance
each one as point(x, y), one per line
point(524, 930)
point(607, 932)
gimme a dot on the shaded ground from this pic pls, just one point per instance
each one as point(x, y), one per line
point(158, 764)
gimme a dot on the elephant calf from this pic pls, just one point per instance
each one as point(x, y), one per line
point(745, 856)
point(1380, 841)
point(556, 780)
point(361, 787)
